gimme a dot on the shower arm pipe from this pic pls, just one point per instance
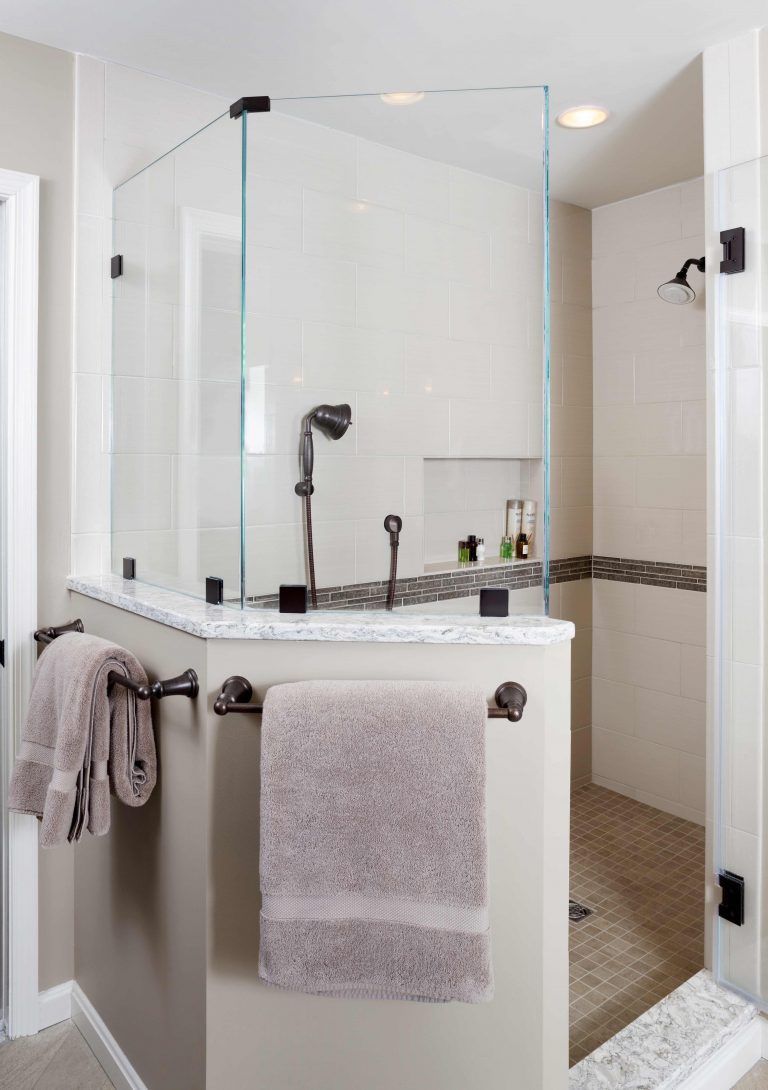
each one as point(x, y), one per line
point(236, 694)
point(699, 262)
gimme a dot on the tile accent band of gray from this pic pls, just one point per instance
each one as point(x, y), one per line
point(654, 573)
point(440, 586)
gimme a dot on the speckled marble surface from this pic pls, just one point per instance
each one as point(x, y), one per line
point(664, 1046)
point(222, 622)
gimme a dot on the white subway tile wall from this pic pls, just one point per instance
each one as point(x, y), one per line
point(649, 722)
point(346, 238)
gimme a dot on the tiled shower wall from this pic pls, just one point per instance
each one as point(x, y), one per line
point(127, 118)
point(649, 495)
point(432, 287)
point(571, 460)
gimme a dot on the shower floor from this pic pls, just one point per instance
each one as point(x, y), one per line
point(641, 871)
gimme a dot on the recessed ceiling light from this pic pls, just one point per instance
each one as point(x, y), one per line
point(402, 98)
point(582, 117)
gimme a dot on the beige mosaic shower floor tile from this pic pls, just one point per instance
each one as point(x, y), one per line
point(641, 871)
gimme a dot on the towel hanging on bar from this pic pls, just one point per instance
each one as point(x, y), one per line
point(83, 738)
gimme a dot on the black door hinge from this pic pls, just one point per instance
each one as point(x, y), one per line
point(116, 266)
point(733, 250)
point(2, 652)
point(731, 908)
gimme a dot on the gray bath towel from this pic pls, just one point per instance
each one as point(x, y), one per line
point(373, 841)
point(82, 738)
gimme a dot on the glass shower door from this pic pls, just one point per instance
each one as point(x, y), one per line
point(396, 263)
point(738, 536)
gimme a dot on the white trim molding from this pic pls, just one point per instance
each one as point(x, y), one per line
point(103, 1045)
point(55, 1005)
point(19, 194)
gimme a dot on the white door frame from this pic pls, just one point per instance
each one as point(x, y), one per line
point(19, 196)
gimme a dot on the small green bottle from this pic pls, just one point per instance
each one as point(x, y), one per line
point(506, 548)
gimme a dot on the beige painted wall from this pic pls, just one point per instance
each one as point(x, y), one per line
point(36, 134)
point(167, 904)
point(311, 1043)
point(140, 891)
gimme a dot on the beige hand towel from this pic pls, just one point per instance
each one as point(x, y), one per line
point(373, 841)
point(82, 738)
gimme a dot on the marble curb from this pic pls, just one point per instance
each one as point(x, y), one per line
point(222, 622)
point(666, 1045)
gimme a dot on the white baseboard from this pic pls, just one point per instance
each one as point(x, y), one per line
point(732, 1062)
point(103, 1045)
point(55, 1005)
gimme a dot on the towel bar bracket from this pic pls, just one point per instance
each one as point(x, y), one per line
point(236, 693)
point(511, 699)
point(48, 635)
point(185, 684)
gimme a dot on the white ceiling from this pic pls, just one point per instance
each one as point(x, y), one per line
point(640, 59)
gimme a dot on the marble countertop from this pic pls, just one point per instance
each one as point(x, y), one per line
point(224, 622)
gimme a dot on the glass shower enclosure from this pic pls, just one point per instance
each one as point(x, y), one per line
point(328, 312)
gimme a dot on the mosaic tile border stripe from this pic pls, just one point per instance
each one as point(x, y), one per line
point(652, 573)
point(418, 589)
point(439, 586)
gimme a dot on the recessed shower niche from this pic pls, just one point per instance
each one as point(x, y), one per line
point(310, 254)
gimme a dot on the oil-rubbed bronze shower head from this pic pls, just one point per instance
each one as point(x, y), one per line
point(332, 420)
point(678, 290)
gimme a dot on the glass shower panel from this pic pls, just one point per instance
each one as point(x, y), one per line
point(396, 264)
point(176, 365)
point(737, 566)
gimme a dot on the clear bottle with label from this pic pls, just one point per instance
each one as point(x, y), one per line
point(480, 550)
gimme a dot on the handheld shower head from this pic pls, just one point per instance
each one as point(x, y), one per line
point(678, 290)
point(333, 421)
point(393, 524)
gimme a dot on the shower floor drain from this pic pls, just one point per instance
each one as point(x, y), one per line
point(577, 912)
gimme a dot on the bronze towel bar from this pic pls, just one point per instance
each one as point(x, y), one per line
point(185, 684)
point(236, 693)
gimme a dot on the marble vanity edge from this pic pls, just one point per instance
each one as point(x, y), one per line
point(195, 617)
point(669, 1043)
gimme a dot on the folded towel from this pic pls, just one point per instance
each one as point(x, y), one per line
point(82, 738)
point(373, 841)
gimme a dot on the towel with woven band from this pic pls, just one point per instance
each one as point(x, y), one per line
point(82, 738)
point(374, 873)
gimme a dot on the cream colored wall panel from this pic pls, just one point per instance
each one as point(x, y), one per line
point(282, 1038)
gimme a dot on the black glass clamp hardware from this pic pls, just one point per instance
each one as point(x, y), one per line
point(185, 684)
point(214, 590)
point(731, 908)
point(129, 567)
point(733, 250)
point(255, 104)
point(236, 693)
point(116, 266)
point(48, 635)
